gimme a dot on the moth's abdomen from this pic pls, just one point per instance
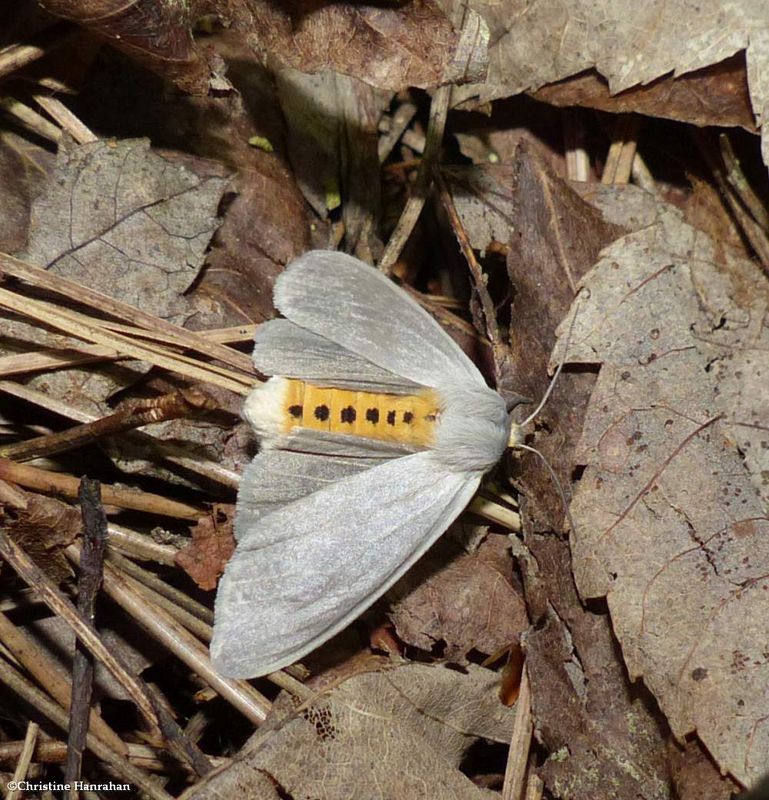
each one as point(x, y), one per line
point(281, 404)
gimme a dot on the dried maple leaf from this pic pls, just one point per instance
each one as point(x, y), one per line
point(44, 528)
point(410, 726)
point(670, 524)
point(212, 544)
point(466, 600)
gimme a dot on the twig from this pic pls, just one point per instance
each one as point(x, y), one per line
point(577, 159)
point(89, 581)
point(130, 414)
point(439, 110)
point(518, 755)
point(479, 279)
point(184, 747)
point(48, 482)
point(156, 449)
point(399, 121)
point(16, 56)
point(740, 183)
point(13, 680)
point(75, 127)
point(754, 233)
point(52, 596)
point(49, 673)
point(25, 759)
point(104, 304)
point(619, 161)
point(171, 634)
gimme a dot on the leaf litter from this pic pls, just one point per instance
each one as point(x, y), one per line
point(671, 511)
point(670, 480)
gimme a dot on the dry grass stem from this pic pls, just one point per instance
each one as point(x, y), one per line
point(160, 587)
point(577, 158)
point(60, 605)
point(619, 161)
point(104, 304)
point(48, 673)
point(93, 330)
point(16, 56)
point(25, 759)
point(494, 512)
point(30, 119)
point(14, 681)
point(140, 546)
point(189, 650)
point(55, 483)
point(75, 127)
point(520, 744)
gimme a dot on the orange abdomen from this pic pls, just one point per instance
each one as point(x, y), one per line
point(411, 419)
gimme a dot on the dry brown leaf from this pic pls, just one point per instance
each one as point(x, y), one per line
point(598, 733)
point(157, 35)
point(716, 95)
point(125, 221)
point(670, 525)
point(695, 776)
point(466, 600)
point(483, 196)
point(121, 219)
point(44, 528)
point(212, 544)
point(533, 46)
point(267, 224)
point(332, 145)
point(556, 238)
point(23, 166)
point(596, 729)
point(388, 46)
point(399, 733)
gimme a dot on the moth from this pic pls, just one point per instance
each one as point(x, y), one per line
point(375, 434)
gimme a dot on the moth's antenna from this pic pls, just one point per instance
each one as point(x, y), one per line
point(555, 481)
point(516, 430)
point(551, 386)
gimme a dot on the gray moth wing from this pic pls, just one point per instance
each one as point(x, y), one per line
point(284, 348)
point(307, 570)
point(355, 306)
point(276, 478)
